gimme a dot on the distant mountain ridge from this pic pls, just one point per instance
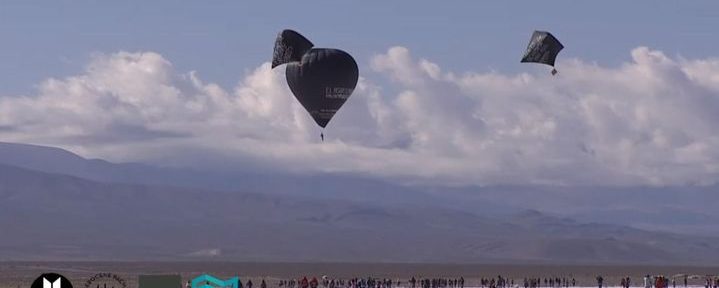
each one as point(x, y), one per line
point(60, 161)
point(55, 215)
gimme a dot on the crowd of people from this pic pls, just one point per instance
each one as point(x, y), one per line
point(371, 282)
point(661, 281)
point(650, 281)
point(338, 283)
point(549, 282)
point(437, 283)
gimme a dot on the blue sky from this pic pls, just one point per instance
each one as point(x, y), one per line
point(223, 39)
point(443, 97)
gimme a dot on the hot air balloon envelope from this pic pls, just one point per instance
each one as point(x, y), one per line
point(543, 48)
point(289, 47)
point(322, 81)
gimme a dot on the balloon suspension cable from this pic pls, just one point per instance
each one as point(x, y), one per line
point(554, 71)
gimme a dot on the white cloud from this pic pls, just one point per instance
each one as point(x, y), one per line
point(652, 121)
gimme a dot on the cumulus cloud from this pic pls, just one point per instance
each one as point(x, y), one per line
point(651, 121)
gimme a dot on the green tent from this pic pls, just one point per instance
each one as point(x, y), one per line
point(159, 281)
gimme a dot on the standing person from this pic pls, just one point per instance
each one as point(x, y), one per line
point(624, 282)
point(313, 284)
point(600, 280)
point(188, 285)
point(686, 280)
point(647, 284)
point(249, 283)
point(263, 284)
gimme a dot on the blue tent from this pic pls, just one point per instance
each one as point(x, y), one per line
point(207, 281)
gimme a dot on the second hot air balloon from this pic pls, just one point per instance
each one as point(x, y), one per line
point(543, 48)
point(289, 47)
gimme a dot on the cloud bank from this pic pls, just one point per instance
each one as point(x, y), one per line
point(651, 121)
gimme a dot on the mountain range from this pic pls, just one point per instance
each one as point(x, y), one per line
point(56, 205)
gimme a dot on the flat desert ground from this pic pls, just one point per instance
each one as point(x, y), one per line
point(21, 274)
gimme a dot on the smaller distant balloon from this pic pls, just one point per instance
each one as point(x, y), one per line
point(543, 49)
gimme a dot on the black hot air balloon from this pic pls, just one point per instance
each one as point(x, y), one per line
point(289, 47)
point(322, 81)
point(543, 48)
